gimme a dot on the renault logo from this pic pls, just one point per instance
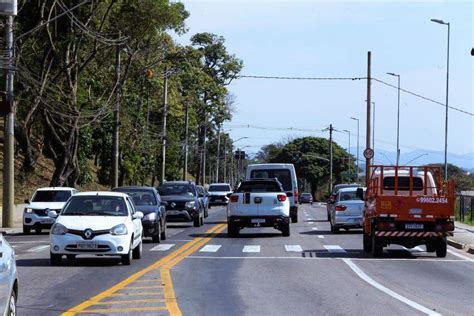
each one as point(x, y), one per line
point(173, 204)
point(88, 233)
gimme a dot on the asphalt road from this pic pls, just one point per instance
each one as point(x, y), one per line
point(200, 271)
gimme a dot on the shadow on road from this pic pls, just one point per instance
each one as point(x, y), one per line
point(241, 235)
point(214, 222)
point(328, 232)
point(316, 221)
point(360, 254)
point(78, 262)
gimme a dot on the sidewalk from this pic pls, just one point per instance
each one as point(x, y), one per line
point(463, 237)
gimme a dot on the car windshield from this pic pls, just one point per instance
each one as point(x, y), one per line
point(96, 206)
point(176, 189)
point(306, 194)
point(140, 197)
point(283, 175)
point(220, 187)
point(259, 186)
point(51, 196)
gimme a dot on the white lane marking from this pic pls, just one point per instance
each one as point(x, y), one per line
point(38, 248)
point(320, 236)
point(293, 248)
point(250, 248)
point(162, 247)
point(334, 248)
point(454, 253)
point(387, 291)
point(314, 228)
point(210, 248)
point(29, 242)
point(327, 258)
point(176, 232)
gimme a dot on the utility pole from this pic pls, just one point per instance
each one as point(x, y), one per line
point(204, 155)
point(218, 152)
point(330, 158)
point(116, 132)
point(186, 131)
point(163, 140)
point(368, 131)
point(225, 160)
point(9, 137)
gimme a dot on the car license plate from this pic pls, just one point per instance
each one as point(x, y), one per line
point(86, 245)
point(47, 221)
point(414, 226)
point(257, 220)
point(173, 212)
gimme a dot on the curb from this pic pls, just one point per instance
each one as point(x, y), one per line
point(455, 244)
point(11, 231)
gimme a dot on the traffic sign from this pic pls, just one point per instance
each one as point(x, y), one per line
point(369, 153)
point(8, 7)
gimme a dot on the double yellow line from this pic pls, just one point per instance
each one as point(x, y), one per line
point(165, 264)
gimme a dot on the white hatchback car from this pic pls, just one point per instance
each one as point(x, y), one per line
point(97, 223)
point(8, 279)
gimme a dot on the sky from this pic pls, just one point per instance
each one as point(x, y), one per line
point(331, 39)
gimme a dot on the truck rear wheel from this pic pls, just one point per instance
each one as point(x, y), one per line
point(232, 230)
point(431, 247)
point(377, 247)
point(441, 248)
point(294, 218)
point(367, 243)
point(285, 230)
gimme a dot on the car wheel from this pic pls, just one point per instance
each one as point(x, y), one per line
point(156, 238)
point(232, 230)
point(334, 229)
point(377, 247)
point(286, 230)
point(206, 213)
point(441, 248)
point(55, 259)
point(329, 217)
point(127, 259)
point(11, 311)
point(163, 233)
point(294, 218)
point(197, 221)
point(26, 230)
point(367, 243)
point(202, 220)
point(137, 252)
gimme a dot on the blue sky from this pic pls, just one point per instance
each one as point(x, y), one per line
point(331, 39)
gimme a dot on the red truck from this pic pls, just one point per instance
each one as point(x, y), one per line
point(408, 206)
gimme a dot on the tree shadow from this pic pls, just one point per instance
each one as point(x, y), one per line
point(78, 262)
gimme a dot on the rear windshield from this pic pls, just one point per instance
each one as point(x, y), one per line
point(259, 186)
point(176, 189)
point(403, 183)
point(96, 206)
point(51, 196)
point(140, 197)
point(283, 175)
point(306, 194)
point(217, 188)
point(348, 196)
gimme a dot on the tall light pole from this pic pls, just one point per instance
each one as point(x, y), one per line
point(447, 102)
point(356, 119)
point(398, 116)
point(349, 148)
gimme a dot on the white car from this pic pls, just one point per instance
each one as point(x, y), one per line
point(218, 193)
point(35, 215)
point(258, 203)
point(8, 279)
point(97, 223)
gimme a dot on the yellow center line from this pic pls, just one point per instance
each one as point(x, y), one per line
point(185, 249)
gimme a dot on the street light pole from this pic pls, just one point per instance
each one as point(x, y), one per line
point(349, 148)
point(398, 116)
point(356, 119)
point(447, 101)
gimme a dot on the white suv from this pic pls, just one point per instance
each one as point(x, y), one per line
point(97, 223)
point(258, 203)
point(218, 193)
point(35, 215)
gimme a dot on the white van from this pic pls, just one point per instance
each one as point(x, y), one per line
point(286, 174)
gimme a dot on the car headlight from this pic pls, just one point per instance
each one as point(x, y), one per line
point(28, 210)
point(120, 229)
point(58, 229)
point(191, 204)
point(150, 217)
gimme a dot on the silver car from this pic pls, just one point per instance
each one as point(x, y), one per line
point(347, 211)
point(8, 279)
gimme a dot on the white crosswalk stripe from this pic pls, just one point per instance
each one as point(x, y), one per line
point(314, 228)
point(334, 248)
point(210, 248)
point(38, 248)
point(251, 248)
point(320, 236)
point(293, 248)
point(162, 247)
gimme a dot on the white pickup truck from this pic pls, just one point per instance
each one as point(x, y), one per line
point(258, 203)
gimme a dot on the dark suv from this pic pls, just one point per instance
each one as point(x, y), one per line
point(183, 202)
point(148, 201)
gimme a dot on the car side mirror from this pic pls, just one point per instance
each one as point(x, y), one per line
point(27, 201)
point(52, 214)
point(164, 203)
point(289, 194)
point(229, 194)
point(360, 193)
point(138, 215)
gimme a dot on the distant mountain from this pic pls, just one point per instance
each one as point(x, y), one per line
point(418, 157)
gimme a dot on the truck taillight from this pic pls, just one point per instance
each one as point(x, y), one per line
point(340, 208)
point(444, 227)
point(386, 226)
point(234, 198)
point(281, 197)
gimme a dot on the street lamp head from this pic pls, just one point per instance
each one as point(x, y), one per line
point(438, 21)
point(392, 74)
point(345, 130)
point(355, 119)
